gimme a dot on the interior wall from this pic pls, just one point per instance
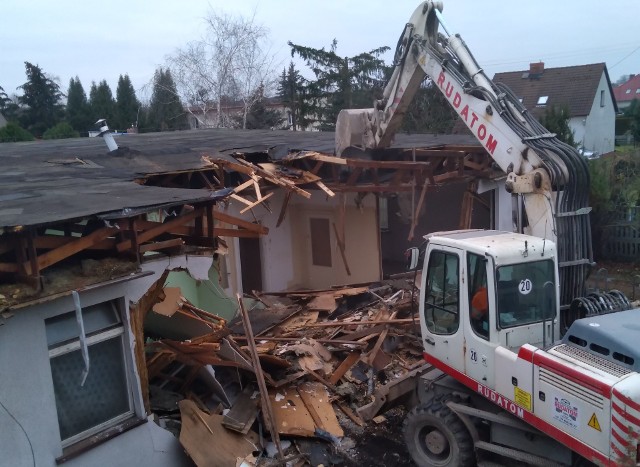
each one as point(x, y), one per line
point(441, 212)
point(285, 255)
point(362, 249)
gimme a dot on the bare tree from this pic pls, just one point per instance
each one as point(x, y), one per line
point(228, 64)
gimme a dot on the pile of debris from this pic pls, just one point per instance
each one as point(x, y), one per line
point(295, 365)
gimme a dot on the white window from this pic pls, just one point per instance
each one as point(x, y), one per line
point(638, 91)
point(105, 398)
point(628, 91)
point(542, 100)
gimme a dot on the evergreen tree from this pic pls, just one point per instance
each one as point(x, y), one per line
point(341, 83)
point(41, 99)
point(8, 107)
point(556, 120)
point(633, 113)
point(127, 104)
point(101, 103)
point(165, 110)
point(292, 92)
point(77, 113)
point(429, 112)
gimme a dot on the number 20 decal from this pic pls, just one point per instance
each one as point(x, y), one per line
point(525, 286)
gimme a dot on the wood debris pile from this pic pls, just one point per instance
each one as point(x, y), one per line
point(327, 358)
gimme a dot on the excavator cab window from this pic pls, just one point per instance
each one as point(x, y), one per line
point(478, 294)
point(442, 300)
point(523, 293)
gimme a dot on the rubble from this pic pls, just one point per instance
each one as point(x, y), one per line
point(328, 360)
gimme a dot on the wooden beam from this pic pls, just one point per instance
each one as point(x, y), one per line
point(174, 242)
point(226, 218)
point(239, 233)
point(341, 247)
point(257, 202)
point(354, 175)
point(283, 209)
point(267, 409)
point(162, 228)
point(58, 254)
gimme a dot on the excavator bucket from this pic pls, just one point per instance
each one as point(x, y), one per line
point(353, 129)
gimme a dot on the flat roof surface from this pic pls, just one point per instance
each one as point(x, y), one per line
point(44, 182)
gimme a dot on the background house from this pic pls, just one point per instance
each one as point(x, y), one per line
point(627, 92)
point(584, 89)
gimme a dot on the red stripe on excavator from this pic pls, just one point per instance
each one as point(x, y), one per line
point(626, 415)
point(559, 435)
point(631, 403)
point(543, 360)
point(617, 451)
point(527, 353)
point(620, 426)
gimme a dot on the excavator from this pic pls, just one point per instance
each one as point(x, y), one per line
point(521, 370)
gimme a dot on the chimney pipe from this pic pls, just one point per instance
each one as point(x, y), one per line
point(106, 134)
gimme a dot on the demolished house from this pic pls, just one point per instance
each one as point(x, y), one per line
point(213, 296)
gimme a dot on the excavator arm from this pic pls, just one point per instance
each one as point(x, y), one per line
point(550, 175)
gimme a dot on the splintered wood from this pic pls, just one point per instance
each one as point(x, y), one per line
point(326, 357)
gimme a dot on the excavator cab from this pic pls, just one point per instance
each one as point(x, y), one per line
point(485, 289)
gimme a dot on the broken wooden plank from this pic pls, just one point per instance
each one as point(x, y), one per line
point(228, 219)
point(316, 399)
point(283, 209)
point(207, 442)
point(82, 243)
point(341, 247)
point(174, 242)
point(355, 418)
point(243, 412)
point(267, 409)
point(361, 323)
point(346, 364)
point(172, 302)
point(257, 202)
point(160, 229)
point(298, 339)
point(324, 188)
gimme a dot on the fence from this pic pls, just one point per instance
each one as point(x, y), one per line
point(623, 238)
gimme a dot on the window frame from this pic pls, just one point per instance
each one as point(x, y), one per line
point(429, 307)
point(542, 101)
point(95, 433)
point(473, 285)
point(500, 293)
point(602, 98)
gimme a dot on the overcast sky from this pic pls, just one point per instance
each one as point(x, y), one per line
point(101, 40)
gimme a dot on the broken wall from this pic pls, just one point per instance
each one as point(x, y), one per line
point(287, 259)
point(30, 433)
point(441, 212)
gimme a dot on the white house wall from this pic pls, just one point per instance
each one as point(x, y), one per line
point(596, 132)
point(30, 432)
point(284, 251)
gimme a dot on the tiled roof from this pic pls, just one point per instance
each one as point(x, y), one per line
point(573, 86)
point(628, 91)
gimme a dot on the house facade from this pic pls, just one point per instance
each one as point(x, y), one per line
point(627, 92)
point(585, 90)
point(216, 213)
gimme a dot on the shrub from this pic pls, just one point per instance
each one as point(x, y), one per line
point(60, 131)
point(13, 132)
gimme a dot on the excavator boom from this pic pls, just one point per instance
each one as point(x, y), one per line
point(551, 177)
